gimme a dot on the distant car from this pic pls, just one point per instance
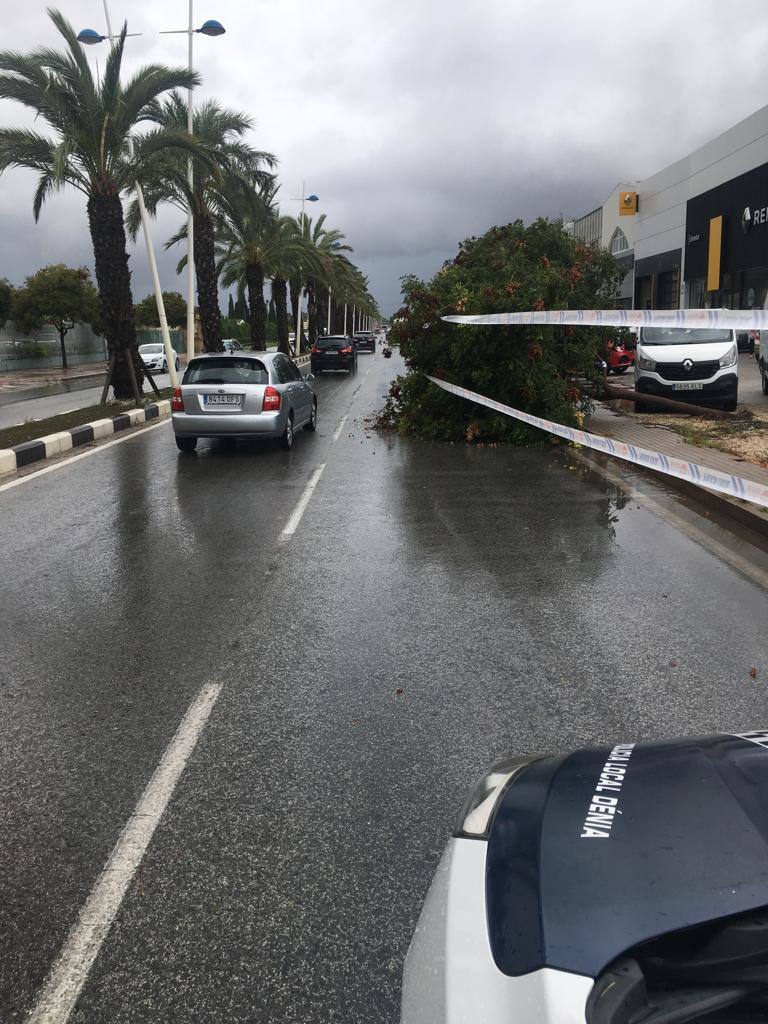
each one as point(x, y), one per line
point(154, 357)
point(244, 397)
point(232, 345)
point(365, 341)
point(618, 357)
point(333, 352)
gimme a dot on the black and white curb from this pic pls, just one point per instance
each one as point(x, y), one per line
point(13, 459)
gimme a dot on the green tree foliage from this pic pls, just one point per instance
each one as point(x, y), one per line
point(59, 296)
point(231, 308)
point(6, 299)
point(146, 314)
point(532, 368)
point(232, 328)
point(90, 118)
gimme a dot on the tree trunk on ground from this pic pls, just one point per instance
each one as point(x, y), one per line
point(207, 284)
point(254, 275)
point(280, 295)
point(62, 335)
point(113, 278)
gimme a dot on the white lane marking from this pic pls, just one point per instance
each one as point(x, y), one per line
point(753, 572)
point(298, 512)
point(68, 975)
point(339, 429)
point(83, 455)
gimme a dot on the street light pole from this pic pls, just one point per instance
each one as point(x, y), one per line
point(328, 329)
point(190, 218)
point(345, 318)
point(312, 199)
point(208, 28)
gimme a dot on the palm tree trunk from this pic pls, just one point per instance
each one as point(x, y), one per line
point(280, 295)
point(207, 283)
point(254, 275)
point(295, 299)
point(105, 218)
point(312, 313)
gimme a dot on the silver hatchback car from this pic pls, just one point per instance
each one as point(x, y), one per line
point(242, 395)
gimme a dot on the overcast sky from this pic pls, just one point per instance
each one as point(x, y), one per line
point(419, 123)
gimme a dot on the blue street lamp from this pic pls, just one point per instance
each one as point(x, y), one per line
point(212, 28)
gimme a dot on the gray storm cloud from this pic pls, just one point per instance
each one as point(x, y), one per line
point(419, 124)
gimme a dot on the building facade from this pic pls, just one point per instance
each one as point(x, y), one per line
point(696, 233)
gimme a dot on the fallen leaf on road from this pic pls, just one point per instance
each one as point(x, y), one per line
point(398, 691)
point(753, 672)
point(673, 664)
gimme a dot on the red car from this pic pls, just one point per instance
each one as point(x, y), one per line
point(619, 356)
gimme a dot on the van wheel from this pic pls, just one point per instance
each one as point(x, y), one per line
point(764, 379)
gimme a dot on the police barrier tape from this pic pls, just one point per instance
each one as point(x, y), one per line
point(735, 319)
point(693, 472)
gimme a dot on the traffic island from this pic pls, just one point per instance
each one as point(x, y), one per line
point(50, 445)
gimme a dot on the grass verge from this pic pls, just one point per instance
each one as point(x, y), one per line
point(33, 429)
point(745, 439)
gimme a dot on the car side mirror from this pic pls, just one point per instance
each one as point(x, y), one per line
point(309, 377)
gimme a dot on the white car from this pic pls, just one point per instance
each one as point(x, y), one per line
point(154, 358)
point(613, 885)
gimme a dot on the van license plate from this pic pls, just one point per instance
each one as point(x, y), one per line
point(688, 386)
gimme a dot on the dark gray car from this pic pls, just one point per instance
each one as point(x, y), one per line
point(242, 395)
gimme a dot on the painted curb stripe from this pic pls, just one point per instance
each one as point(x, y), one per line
point(81, 435)
point(121, 422)
point(703, 476)
point(28, 452)
point(732, 319)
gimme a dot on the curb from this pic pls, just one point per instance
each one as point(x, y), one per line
point(13, 459)
point(742, 512)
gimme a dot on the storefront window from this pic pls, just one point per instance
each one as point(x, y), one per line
point(754, 289)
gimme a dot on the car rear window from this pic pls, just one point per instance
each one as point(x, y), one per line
point(331, 342)
point(226, 371)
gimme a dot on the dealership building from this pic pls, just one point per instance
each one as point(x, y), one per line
point(695, 234)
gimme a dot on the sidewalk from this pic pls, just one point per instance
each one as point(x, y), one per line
point(623, 428)
point(21, 380)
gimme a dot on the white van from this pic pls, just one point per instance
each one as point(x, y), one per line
point(699, 365)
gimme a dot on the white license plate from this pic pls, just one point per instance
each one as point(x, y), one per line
point(219, 400)
point(688, 386)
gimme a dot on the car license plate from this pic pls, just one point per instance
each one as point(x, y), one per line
point(219, 400)
point(688, 386)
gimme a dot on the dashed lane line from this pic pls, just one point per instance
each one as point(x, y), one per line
point(295, 518)
point(339, 429)
point(70, 971)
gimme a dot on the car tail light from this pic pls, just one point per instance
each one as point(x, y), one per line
point(345, 351)
point(271, 399)
point(316, 351)
point(177, 401)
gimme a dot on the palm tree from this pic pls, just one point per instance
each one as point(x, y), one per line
point(235, 164)
point(325, 244)
point(92, 120)
point(255, 243)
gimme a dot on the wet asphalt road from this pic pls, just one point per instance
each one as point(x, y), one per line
point(437, 609)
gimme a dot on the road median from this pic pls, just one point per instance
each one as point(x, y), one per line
point(50, 445)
